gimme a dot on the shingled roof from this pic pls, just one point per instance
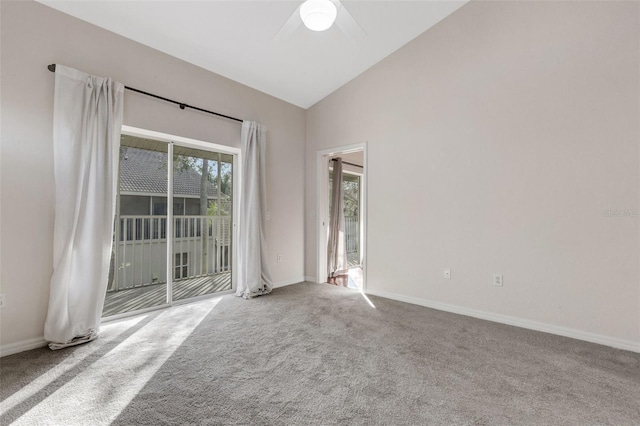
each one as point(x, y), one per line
point(146, 171)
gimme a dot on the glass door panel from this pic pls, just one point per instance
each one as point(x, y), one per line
point(202, 222)
point(351, 190)
point(138, 272)
point(351, 196)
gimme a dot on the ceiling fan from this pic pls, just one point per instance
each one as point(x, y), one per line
point(320, 15)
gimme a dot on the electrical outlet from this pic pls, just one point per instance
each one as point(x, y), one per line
point(497, 280)
point(1, 300)
point(447, 274)
point(279, 258)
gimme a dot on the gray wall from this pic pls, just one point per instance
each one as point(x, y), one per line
point(33, 36)
point(496, 142)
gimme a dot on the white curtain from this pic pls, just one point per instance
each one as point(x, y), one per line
point(87, 118)
point(336, 247)
point(254, 278)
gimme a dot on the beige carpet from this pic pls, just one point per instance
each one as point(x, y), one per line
point(320, 354)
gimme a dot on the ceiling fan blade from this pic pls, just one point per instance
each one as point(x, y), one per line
point(347, 23)
point(289, 27)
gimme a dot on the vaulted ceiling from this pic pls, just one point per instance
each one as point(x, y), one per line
point(236, 38)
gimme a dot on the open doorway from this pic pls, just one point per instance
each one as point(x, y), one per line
point(342, 230)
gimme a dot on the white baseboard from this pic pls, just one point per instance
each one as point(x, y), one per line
point(38, 342)
point(613, 342)
point(288, 282)
point(24, 345)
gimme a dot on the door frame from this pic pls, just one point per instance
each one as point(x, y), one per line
point(322, 207)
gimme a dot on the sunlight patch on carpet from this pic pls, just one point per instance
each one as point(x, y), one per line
point(65, 366)
point(104, 390)
point(367, 299)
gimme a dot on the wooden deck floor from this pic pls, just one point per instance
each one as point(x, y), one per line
point(118, 302)
point(353, 259)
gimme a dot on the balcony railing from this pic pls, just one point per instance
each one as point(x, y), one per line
point(201, 247)
point(140, 251)
point(352, 231)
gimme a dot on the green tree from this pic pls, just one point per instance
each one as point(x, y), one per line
point(351, 193)
point(185, 163)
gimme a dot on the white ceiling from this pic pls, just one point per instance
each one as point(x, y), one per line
point(236, 38)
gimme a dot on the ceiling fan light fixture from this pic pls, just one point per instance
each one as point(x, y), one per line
point(318, 15)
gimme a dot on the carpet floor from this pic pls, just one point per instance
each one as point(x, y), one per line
point(315, 354)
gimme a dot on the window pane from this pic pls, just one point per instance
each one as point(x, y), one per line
point(134, 205)
point(160, 206)
point(178, 206)
point(192, 206)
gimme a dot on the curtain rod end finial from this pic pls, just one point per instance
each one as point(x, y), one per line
point(52, 67)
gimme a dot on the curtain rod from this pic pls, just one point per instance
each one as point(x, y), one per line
point(182, 105)
point(350, 164)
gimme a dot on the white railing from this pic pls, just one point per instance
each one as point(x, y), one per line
point(352, 231)
point(201, 247)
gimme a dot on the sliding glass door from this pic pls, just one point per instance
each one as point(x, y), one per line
point(138, 278)
point(161, 254)
point(202, 222)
